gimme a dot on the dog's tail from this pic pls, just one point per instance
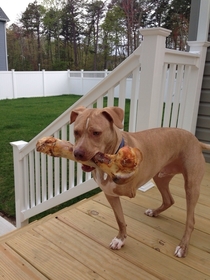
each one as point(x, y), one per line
point(205, 146)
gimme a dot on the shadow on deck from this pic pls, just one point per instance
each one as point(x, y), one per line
point(73, 243)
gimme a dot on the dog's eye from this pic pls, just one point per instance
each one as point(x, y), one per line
point(76, 133)
point(96, 133)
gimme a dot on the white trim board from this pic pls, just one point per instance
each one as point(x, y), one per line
point(5, 226)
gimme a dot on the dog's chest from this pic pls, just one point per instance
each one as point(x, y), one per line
point(104, 182)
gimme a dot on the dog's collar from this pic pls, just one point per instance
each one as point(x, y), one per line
point(122, 144)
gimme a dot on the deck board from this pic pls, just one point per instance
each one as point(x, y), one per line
point(48, 258)
point(162, 223)
point(12, 266)
point(85, 248)
point(73, 243)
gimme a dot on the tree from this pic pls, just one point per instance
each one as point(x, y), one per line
point(114, 31)
point(70, 29)
point(157, 12)
point(52, 29)
point(32, 23)
point(135, 11)
point(91, 34)
point(94, 13)
point(177, 20)
point(15, 47)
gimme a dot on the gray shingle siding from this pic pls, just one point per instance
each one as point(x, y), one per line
point(3, 49)
point(203, 118)
point(203, 121)
point(3, 41)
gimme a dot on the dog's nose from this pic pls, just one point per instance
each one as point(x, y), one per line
point(79, 154)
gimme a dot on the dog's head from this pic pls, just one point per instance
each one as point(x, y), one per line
point(95, 131)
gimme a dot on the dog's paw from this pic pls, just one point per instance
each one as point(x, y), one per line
point(179, 252)
point(149, 212)
point(117, 244)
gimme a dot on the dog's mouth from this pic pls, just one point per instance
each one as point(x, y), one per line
point(87, 168)
point(98, 158)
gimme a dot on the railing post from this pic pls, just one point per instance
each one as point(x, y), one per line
point(194, 87)
point(19, 183)
point(151, 63)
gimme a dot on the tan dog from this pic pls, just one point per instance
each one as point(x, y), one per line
point(164, 152)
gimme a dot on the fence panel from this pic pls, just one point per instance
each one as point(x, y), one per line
point(51, 83)
point(6, 85)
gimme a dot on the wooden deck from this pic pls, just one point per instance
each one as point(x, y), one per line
point(73, 244)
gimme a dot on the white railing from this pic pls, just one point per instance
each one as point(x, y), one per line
point(165, 91)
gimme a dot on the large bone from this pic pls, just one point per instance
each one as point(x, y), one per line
point(120, 167)
point(58, 148)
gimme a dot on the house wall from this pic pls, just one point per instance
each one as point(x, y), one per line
point(203, 121)
point(199, 30)
point(3, 49)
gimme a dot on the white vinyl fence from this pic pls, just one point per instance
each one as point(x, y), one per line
point(33, 83)
point(50, 83)
point(168, 95)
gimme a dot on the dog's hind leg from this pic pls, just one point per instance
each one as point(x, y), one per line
point(192, 195)
point(162, 183)
point(119, 240)
point(193, 176)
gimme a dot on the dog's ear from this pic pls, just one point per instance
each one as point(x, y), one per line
point(75, 113)
point(114, 114)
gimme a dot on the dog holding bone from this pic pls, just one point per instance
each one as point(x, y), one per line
point(122, 161)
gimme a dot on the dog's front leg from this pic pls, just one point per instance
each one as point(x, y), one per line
point(119, 240)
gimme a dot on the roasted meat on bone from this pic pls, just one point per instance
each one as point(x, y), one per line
point(119, 167)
